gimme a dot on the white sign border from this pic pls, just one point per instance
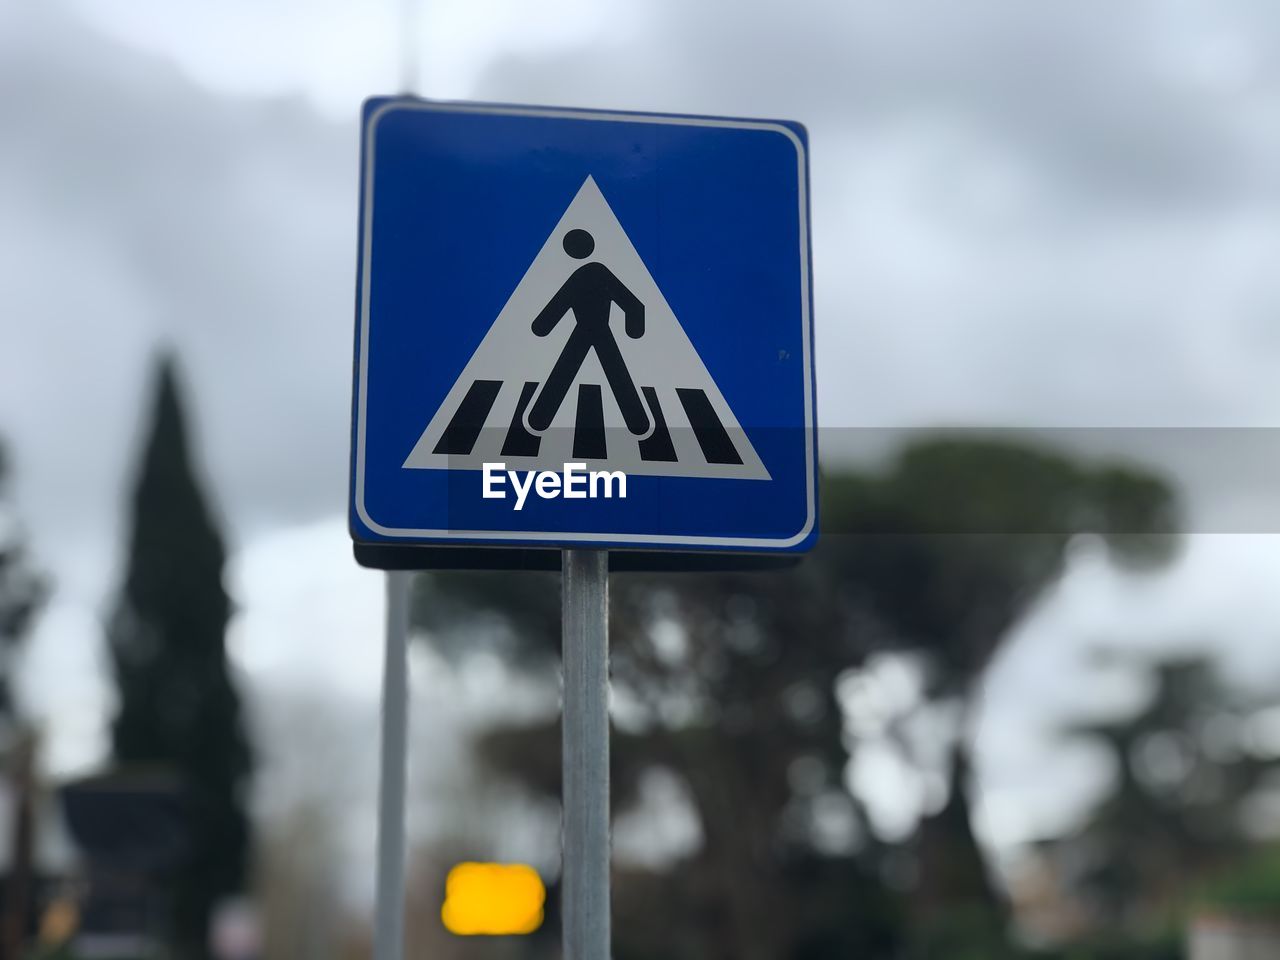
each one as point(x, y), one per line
point(625, 539)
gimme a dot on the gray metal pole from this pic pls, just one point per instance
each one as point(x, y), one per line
point(388, 930)
point(388, 942)
point(584, 892)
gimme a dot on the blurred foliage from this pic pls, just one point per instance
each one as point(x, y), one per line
point(178, 708)
point(730, 681)
point(1251, 887)
point(22, 593)
point(1174, 831)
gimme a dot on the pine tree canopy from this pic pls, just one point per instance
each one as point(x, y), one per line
point(178, 708)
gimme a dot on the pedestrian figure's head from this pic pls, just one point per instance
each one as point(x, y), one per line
point(579, 244)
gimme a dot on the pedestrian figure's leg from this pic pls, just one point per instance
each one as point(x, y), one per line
point(624, 389)
point(559, 381)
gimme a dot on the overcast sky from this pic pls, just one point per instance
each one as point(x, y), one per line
point(1048, 215)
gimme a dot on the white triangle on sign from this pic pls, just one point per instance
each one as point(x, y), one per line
point(478, 421)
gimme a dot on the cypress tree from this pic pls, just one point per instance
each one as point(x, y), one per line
point(178, 708)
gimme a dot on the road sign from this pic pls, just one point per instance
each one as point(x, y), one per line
point(582, 328)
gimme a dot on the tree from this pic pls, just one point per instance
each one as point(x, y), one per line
point(730, 682)
point(949, 549)
point(1187, 772)
point(178, 708)
point(22, 591)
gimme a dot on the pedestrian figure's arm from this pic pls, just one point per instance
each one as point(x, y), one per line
point(553, 312)
point(632, 308)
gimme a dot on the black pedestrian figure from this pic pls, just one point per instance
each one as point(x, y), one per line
point(590, 293)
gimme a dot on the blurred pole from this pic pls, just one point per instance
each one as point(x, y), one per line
point(388, 941)
point(584, 889)
point(410, 23)
point(18, 889)
point(388, 933)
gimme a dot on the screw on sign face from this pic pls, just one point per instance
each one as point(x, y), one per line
point(590, 293)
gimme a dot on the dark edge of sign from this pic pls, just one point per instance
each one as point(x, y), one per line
point(375, 101)
point(402, 557)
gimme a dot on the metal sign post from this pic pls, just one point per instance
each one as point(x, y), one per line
point(388, 943)
point(472, 343)
point(584, 895)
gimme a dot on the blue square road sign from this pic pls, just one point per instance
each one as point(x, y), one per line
point(582, 328)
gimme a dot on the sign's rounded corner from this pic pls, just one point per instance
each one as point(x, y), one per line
point(793, 131)
point(372, 102)
point(376, 108)
point(357, 529)
point(806, 538)
point(799, 129)
point(360, 514)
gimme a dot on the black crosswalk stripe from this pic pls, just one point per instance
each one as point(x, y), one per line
point(657, 446)
point(520, 442)
point(588, 431)
point(590, 440)
point(460, 436)
point(707, 428)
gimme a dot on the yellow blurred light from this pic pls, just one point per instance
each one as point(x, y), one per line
point(492, 899)
point(59, 922)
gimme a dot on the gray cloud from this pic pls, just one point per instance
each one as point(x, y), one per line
point(1145, 102)
point(1024, 214)
point(1058, 215)
point(149, 211)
